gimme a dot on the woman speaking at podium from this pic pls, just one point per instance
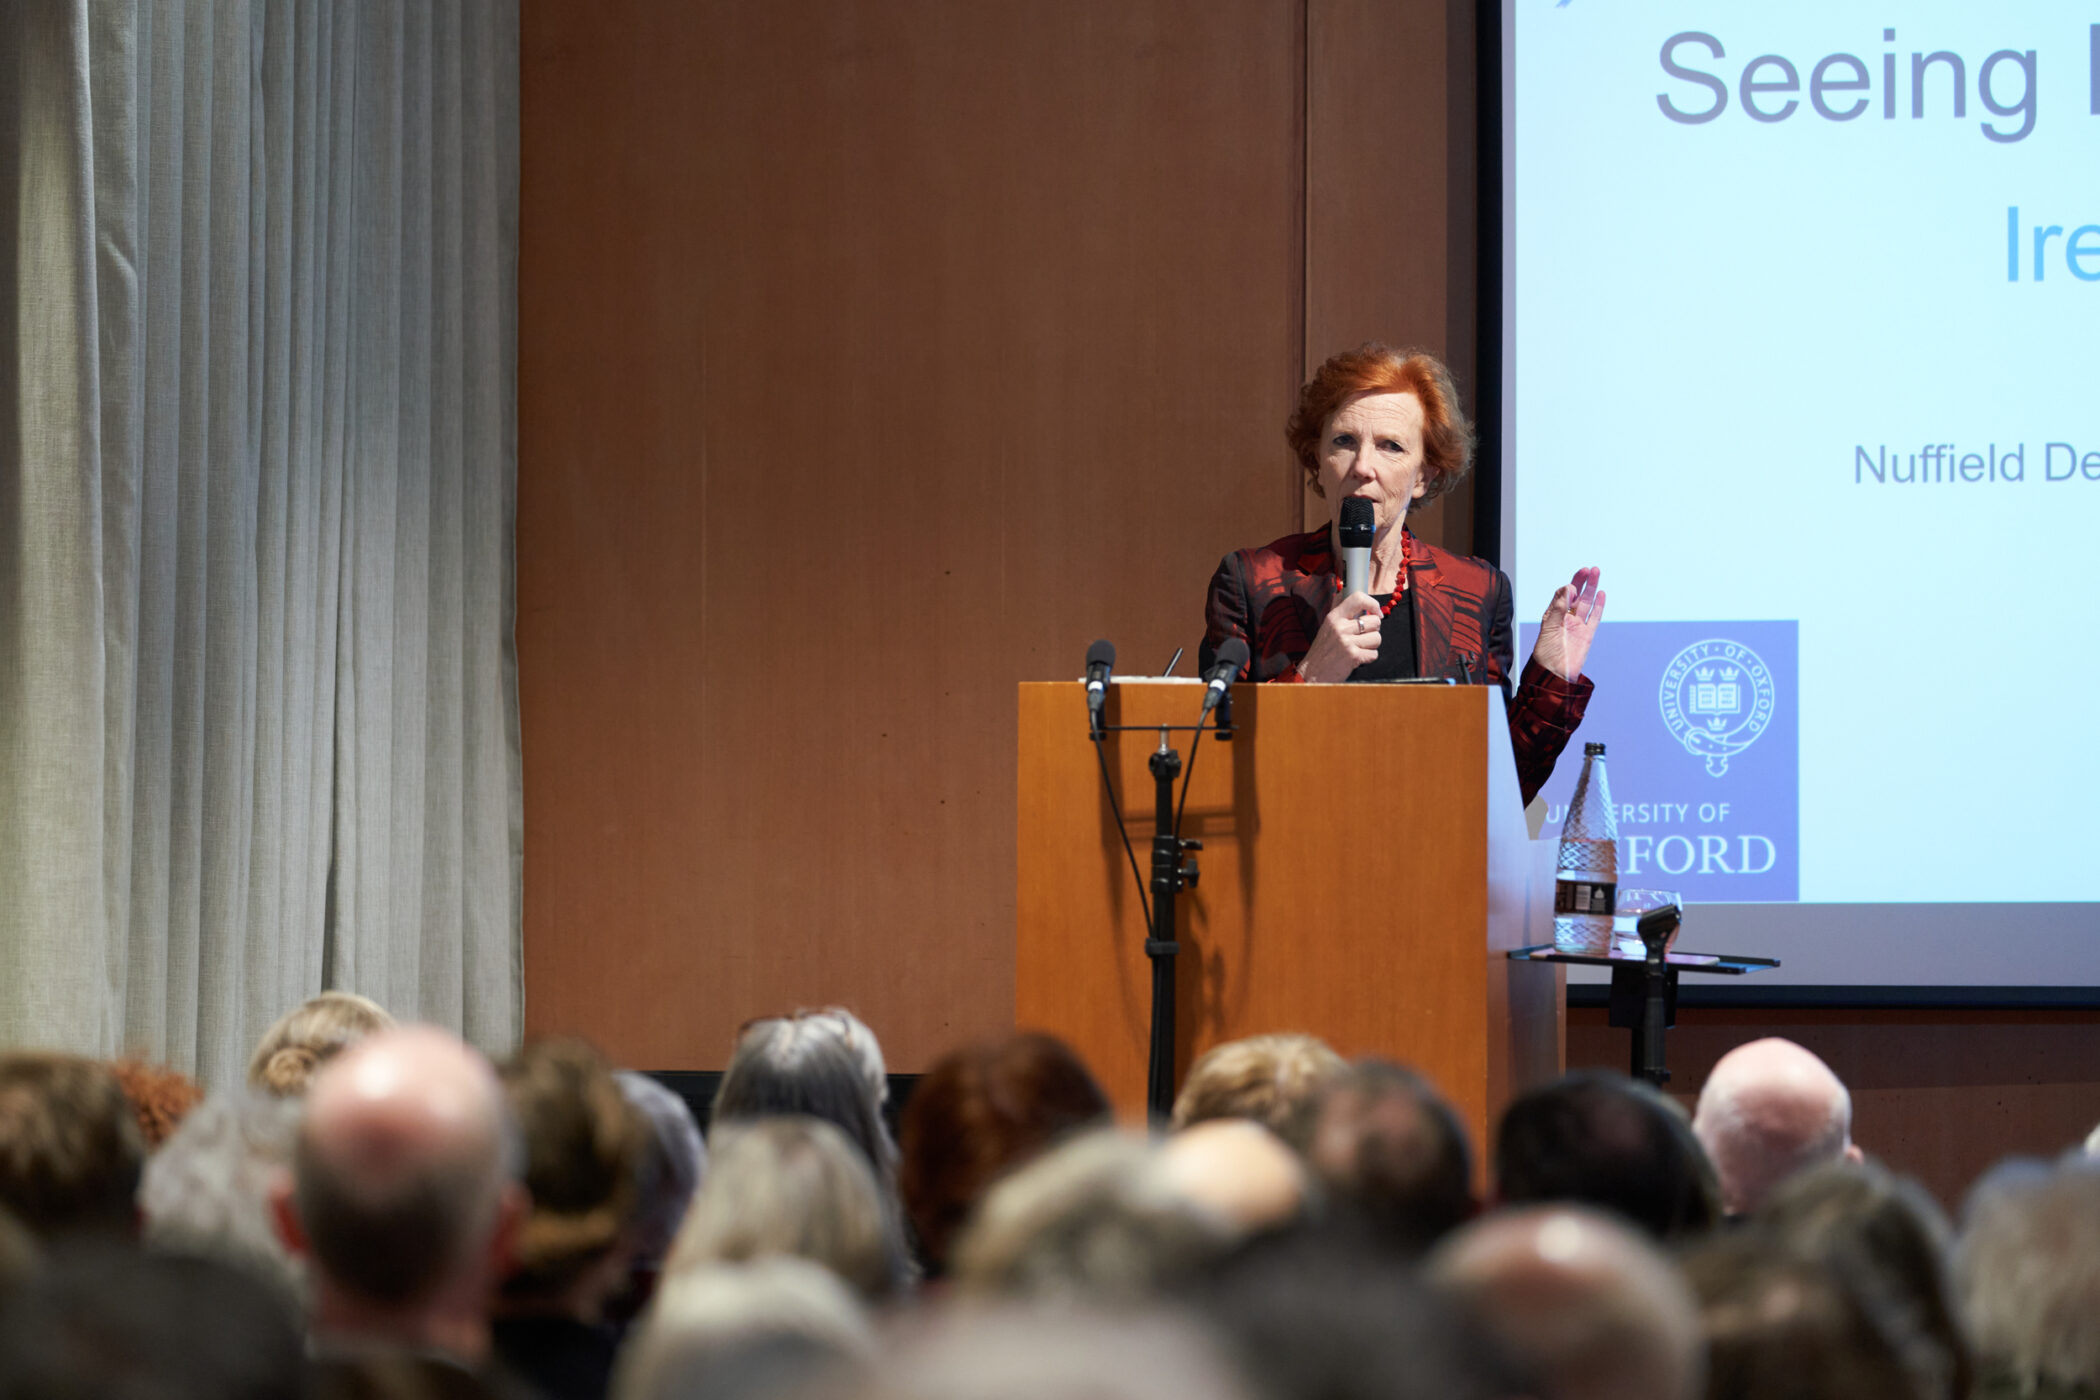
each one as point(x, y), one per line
point(1386, 427)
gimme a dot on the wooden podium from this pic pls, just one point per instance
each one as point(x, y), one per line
point(1365, 869)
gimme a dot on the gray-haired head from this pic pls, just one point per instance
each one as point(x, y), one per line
point(207, 1191)
point(798, 1314)
point(796, 1186)
point(1055, 1353)
point(2027, 1272)
point(1098, 1219)
point(672, 1166)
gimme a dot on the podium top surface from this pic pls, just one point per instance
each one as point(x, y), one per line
point(1726, 964)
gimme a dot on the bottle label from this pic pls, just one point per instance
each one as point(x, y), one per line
point(1583, 897)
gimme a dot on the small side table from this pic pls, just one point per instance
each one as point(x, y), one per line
point(1645, 1004)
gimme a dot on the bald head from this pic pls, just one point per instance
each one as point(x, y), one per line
point(1768, 1110)
point(1596, 1311)
point(1238, 1170)
point(401, 1165)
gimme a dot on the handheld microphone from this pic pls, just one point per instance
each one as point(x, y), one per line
point(1100, 662)
point(1358, 525)
point(1232, 655)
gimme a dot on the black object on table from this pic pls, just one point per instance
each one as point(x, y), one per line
point(1644, 988)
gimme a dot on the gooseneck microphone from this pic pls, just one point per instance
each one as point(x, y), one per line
point(1232, 656)
point(1100, 663)
point(1358, 525)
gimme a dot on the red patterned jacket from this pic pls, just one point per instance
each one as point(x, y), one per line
point(1275, 596)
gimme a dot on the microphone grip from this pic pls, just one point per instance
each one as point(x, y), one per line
point(1356, 571)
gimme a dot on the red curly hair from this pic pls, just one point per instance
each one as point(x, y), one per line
point(1376, 368)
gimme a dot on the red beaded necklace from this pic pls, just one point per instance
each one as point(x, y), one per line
point(1407, 559)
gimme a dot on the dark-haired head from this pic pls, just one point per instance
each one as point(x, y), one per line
point(70, 1149)
point(1391, 1151)
point(1602, 1139)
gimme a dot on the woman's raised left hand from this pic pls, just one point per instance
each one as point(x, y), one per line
point(1570, 625)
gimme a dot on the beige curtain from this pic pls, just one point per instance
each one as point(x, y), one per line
point(258, 701)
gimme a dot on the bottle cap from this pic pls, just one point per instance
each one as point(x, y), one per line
point(1593, 750)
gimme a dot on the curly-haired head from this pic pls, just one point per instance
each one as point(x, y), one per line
point(308, 1036)
point(1376, 368)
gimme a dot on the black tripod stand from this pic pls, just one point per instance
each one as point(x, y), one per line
point(1174, 869)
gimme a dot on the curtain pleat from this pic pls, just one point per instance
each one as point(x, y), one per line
point(258, 691)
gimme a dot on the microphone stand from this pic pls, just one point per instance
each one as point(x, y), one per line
point(1173, 870)
point(1655, 929)
point(1171, 874)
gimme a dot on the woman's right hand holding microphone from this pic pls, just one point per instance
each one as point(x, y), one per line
point(1348, 638)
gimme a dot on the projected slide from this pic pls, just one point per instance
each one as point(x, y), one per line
point(1802, 345)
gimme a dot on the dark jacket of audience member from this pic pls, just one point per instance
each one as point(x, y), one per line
point(1393, 1154)
point(1602, 1139)
point(978, 1113)
point(70, 1151)
point(112, 1323)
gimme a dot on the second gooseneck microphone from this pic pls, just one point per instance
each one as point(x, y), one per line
point(1358, 526)
point(1232, 657)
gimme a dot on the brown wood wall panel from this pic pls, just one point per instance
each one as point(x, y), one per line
point(1939, 1095)
point(1391, 204)
point(873, 358)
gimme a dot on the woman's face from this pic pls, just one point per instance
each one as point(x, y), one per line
point(1373, 448)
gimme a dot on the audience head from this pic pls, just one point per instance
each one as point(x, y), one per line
point(1063, 1353)
point(781, 1321)
point(1239, 1171)
point(1093, 1220)
point(673, 1160)
point(583, 1153)
point(207, 1191)
point(1273, 1079)
point(160, 1098)
point(1390, 1149)
point(978, 1113)
point(1885, 1227)
point(308, 1036)
point(1783, 1326)
point(1318, 1315)
point(403, 1198)
point(2027, 1271)
point(859, 1038)
point(802, 1064)
point(1601, 1139)
point(791, 1185)
point(70, 1151)
point(117, 1324)
point(1592, 1308)
point(1768, 1110)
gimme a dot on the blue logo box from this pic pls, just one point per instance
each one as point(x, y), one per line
point(1701, 723)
